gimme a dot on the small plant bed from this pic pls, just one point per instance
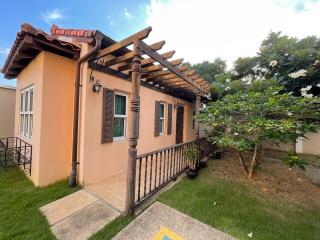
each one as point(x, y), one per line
point(20, 200)
point(277, 203)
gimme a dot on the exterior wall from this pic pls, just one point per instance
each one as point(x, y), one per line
point(52, 77)
point(311, 145)
point(101, 161)
point(7, 111)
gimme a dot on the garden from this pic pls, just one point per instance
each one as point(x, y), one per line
point(250, 192)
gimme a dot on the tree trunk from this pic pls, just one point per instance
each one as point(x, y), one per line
point(242, 163)
point(253, 161)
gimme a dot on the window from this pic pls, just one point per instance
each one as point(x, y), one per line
point(161, 118)
point(26, 112)
point(120, 117)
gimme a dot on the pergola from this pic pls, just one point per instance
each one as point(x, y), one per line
point(144, 65)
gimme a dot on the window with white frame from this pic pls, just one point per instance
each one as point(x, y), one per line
point(26, 112)
point(161, 118)
point(120, 116)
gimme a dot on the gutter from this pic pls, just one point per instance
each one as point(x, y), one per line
point(74, 165)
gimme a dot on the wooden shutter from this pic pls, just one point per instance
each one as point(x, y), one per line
point(169, 128)
point(107, 115)
point(157, 119)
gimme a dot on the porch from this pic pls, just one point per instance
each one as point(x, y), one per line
point(154, 170)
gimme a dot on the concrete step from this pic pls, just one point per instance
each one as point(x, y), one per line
point(78, 216)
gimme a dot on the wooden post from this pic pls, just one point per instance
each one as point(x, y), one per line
point(133, 127)
point(197, 126)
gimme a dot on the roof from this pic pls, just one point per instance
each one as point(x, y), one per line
point(29, 43)
point(7, 87)
point(174, 77)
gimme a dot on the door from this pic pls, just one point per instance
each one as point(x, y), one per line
point(179, 125)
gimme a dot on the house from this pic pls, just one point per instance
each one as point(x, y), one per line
point(7, 106)
point(91, 109)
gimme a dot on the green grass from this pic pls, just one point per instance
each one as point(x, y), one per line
point(239, 210)
point(20, 200)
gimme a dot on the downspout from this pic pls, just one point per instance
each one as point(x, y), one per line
point(74, 165)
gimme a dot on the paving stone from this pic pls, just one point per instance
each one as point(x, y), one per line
point(64, 207)
point(85, 223)
point(161, 219)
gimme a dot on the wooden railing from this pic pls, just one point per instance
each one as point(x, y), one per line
point(156, 169)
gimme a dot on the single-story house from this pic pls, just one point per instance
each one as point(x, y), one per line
point(96, 110)
point(7, 106)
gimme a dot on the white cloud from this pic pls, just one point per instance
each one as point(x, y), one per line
point(4, 51)
point(204, 29)
point(127, 14)
point(53, 15)
point(110, 20)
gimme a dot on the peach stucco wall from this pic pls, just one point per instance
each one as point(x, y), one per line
point(101, 161)
point(7, 111)
point(52, 77)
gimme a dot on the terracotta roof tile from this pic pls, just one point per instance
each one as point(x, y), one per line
point(80, 34)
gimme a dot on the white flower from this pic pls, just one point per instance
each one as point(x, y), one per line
point(289, 113)
point(234, 72)
point(228, 80)
point(264, 70)
point(310, 95)
point(286, 54)
point(227, 88)
point(300, 73)
point(318, 85)
point(273, 63)
point(316, 62)
point(236, 133)
point(247, 79)
point(308, 87)
point(256, 68)
point(250, 235)
point(275, 93)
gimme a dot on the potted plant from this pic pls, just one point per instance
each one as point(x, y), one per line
point(191, 154)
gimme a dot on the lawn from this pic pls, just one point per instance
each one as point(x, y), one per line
point(20, 217)
point(239, 209)
point(217, 197)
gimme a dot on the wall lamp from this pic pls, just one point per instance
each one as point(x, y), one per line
point(96, 87)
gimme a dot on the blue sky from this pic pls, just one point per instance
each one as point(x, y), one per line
point(117, 19)
point(197, 29)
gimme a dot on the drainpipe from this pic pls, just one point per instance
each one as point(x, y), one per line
point(73, 176)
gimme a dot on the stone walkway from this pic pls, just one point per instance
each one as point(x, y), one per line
point(160, 222)
point(78, 216)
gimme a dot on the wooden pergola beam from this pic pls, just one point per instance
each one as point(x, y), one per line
point(159, 67)
point(147, 61)
point(124, 43)
point(147, 50)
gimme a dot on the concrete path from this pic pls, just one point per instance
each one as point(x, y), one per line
point(160, 222)
point(78, 216)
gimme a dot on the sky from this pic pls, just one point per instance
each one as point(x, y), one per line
point(198, 30)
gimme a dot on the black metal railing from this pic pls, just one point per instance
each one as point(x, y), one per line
point(15, 152)
point(156, 169)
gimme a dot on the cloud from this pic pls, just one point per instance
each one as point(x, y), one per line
point(127, 14)
point(53, 15)
point(4, 51)
point(205, 29)
point(110, 20)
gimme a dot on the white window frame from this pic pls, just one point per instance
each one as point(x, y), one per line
point(121, 138)
point(162, 119)
point(26, 113)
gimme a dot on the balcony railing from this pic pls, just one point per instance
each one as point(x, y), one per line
point(15, 152)
point(156, 169)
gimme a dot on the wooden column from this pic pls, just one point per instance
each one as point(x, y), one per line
point(197, 126)
point(133, 127)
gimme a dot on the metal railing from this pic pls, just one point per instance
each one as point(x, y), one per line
point(15, 152)
point(156, 169)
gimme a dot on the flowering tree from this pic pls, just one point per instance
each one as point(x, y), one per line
point(246, 118)
point(295, 63)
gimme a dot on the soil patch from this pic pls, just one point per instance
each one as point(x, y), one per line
point(273, 180)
